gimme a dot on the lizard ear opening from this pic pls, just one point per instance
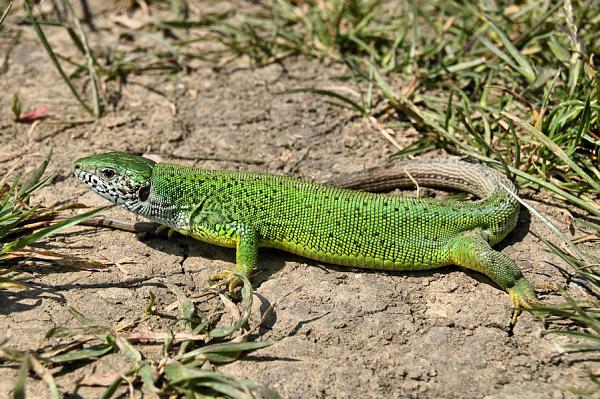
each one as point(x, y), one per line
point(144, 193)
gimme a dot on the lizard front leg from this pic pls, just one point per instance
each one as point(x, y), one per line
point(246, 254)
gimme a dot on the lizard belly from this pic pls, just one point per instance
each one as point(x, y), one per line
point(212, 237)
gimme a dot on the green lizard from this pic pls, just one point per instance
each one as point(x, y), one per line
point(248, 210)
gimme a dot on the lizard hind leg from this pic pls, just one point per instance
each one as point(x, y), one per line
point(472, 251)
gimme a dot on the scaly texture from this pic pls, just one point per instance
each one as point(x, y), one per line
point(248, 210)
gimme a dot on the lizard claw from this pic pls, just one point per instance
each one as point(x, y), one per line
point(226, 278)
point(523, 298)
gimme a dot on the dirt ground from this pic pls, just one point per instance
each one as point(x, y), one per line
point(341, 332)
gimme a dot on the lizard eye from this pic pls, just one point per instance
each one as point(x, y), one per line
point(108, 174)
point(144, 193)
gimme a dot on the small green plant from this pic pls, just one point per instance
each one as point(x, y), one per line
point(193, 346)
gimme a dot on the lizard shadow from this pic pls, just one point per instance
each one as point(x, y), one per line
point(272, 261)
point(14, 301)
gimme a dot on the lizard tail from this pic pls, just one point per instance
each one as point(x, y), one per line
point(476, 179)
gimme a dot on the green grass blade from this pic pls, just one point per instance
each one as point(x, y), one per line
point(524, 67)
point(330, 93)
point(134, 356)
point(81, 318)
point(177, 373)
point(158, 40)
point(550, 225)
point(228, 348)
point(48, 231)
point(185, 310)
point(33, 180)
point(19, 390)
point(112, 388)
point(466, 65)
point(561, 193)
point(499, 53)
point(570, 260)
point(578, 334)
point(53, 57)
point(228, 388)
point(146, 374)
point(89, 353)
point(584, 125)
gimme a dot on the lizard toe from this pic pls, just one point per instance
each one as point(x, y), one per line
point(226, 278)
point(523, 297)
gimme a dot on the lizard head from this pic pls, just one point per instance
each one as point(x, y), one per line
point(121, 178)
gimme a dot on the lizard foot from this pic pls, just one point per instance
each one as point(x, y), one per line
point(226, 278)
point(523, 297)
point(162, 228)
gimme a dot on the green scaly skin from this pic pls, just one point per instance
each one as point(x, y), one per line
point(248, 210)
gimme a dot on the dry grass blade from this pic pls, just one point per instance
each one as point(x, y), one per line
point(6, 11)
point(222, 332)
point(6, 283)
point(46, 376)
point(91, 62)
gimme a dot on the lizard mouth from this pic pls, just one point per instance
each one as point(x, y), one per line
point(99, 186)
